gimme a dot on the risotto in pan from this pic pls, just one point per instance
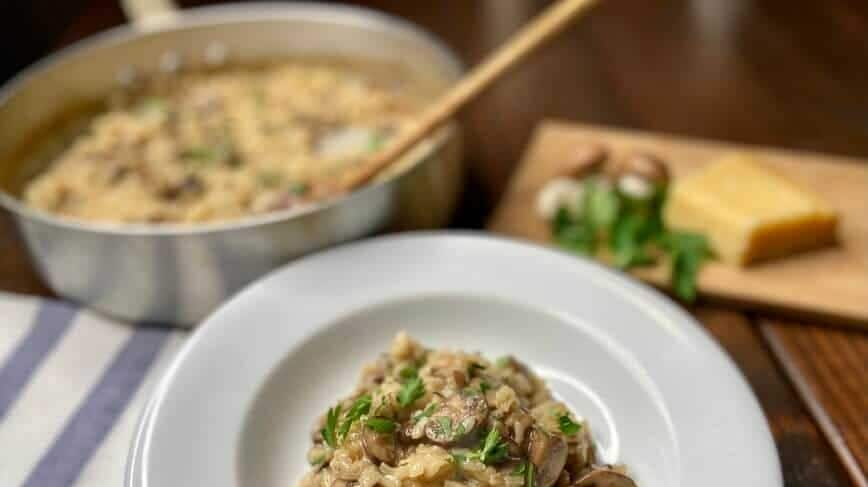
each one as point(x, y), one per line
point(421, 418)
point(220, 145)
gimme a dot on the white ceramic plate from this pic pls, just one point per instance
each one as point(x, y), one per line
point(237, 406)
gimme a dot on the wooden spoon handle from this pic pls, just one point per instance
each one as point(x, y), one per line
point(532, 36)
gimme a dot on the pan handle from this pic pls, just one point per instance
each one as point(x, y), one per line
point(149, 14)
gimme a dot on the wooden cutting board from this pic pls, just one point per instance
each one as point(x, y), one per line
point(831, 284)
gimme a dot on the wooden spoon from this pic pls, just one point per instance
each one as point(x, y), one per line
point(532, 36)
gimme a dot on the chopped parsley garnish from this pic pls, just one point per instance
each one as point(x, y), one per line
point(502, 362)
point(429, 410)
point(153, 105)
point(298, 188)
point(318, 460)
point(412, 390)
point(329, 432)
point(519, 470)
point(484, 387)
point(460, 430)
point(356, 411)
point(633, 232)
point(493, 449)
point(529, 479)
point(382, 425)
point(687, 251)
point(269, 179)
point(206, 155)
point(458, 457)
point(567, 425)
point(409, 372)
point(203, 154)
point(473, 368)
point(445, 423)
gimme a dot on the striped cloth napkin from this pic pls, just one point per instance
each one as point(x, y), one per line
point(72, 387)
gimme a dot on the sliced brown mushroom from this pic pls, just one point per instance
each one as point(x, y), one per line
point(190, 185)
point(564, 479)
point(548, 454)
point(521, 422)
point(604, 477)
point(579, 459)
point(459, 378)
point(379, 446)
point(458, 417)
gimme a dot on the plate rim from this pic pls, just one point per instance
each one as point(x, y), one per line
point(627, 287)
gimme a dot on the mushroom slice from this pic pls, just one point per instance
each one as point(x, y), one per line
point(521, 422)
point(457, 418)
point(379, 446)
point(604, 477)
point(548, 454)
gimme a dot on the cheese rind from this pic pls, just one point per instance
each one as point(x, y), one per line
point(749, 213)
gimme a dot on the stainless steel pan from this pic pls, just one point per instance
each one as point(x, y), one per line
point(175, 274)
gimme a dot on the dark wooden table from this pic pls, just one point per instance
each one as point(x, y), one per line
point(774, 72)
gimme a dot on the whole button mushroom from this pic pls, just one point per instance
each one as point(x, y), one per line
point(582, 160)
point(604, 477)
point(559, 193)
point(638, 174)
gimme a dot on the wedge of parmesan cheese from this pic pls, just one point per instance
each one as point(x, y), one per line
point(749, 213)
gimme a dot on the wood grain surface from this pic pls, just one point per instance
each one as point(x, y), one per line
point(831, 283)
point(806, 458)
point(829, 369)
point(767, 72)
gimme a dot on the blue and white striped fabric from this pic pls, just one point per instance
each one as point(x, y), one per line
point(72, 386)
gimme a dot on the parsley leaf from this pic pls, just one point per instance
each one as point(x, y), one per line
point(409, 372)
point(460, 430)
point(445, 425)
point(493, 449)
point(412, 390)
point(473, 368)
point(318, 460)
point(520, 469)
point(687, 251)
point(578, 236)
point(328, 433)
point(382, 425)
point(356, 411)
point(601, 205)
point(635, 234)
point(484, 387)
point(429, 410)
point(628, 239)
point(458, 457)
point(298, 187)
point(568, 426)
point(220, 152)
